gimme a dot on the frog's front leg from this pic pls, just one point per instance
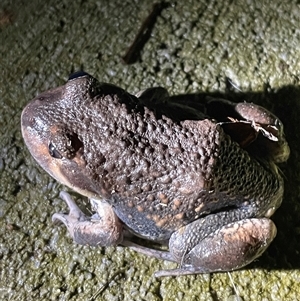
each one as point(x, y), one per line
point(102, 229)
point(228, 248)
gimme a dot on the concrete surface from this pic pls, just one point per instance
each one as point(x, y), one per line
point(194, 47)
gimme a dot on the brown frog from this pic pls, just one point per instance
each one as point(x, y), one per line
point(206, 187)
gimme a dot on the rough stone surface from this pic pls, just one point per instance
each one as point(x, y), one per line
point(194, 47)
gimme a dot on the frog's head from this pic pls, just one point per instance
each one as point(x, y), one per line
point(53, 127)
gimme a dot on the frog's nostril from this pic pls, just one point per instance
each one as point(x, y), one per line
point(77, 74)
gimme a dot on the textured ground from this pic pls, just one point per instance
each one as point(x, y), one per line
point(194, 47)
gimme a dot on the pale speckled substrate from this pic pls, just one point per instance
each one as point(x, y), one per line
point(193, 48)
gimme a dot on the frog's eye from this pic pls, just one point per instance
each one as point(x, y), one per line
point(53, 152)
point(77, 75)
point(64, 144)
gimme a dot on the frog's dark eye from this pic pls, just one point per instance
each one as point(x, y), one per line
point(77, 75)
point(53, 152)
point(64, 144)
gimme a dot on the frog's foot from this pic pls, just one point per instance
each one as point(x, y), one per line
point(159, 254)
point(102, 229)
point(249, 123)
point(154, 95)
point(229, 248)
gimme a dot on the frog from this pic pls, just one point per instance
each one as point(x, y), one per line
point(200, 185)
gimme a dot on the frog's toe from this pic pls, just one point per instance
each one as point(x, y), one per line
point(75, 212)
point(102, 229)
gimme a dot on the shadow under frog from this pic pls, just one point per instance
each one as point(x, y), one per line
point(201, 179)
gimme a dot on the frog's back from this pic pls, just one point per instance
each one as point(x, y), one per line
point(161, 175)
point(155, 172)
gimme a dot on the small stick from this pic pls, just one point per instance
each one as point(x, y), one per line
point(143, 35)
point(106, 284)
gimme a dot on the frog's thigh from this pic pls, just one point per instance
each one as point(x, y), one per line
point(102, 229)
point(230, 247)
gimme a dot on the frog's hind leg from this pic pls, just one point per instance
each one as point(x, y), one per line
point(102, 229)
point(228, 248)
